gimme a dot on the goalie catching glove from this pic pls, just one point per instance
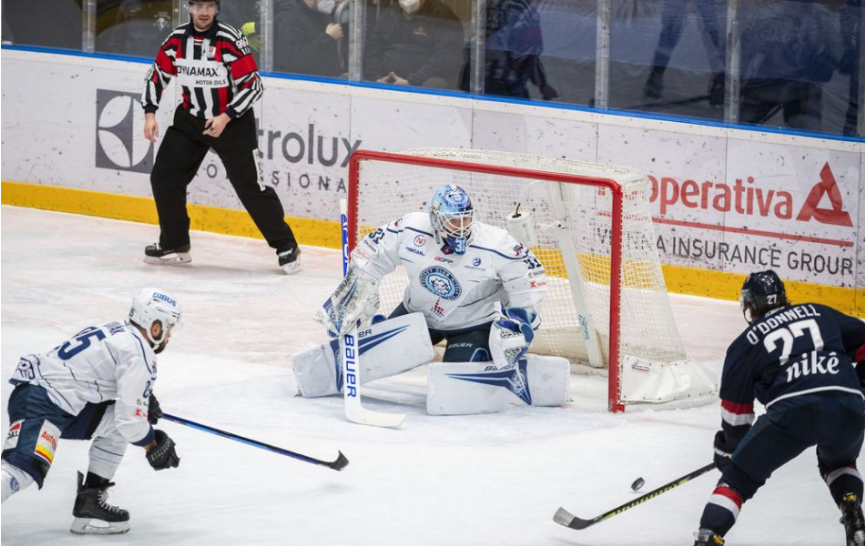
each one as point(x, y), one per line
point(354, 302)
point(511, 336)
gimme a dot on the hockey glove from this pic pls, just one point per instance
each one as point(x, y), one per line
point(722, 452)
point(510, 337)
point(354, 302)
point(163, 455)
point(154, 412)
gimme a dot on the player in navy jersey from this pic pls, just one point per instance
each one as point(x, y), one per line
point(220, 83)
point(801, 362)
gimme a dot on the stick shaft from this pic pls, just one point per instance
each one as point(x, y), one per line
point(338, 464)
point(567, 519)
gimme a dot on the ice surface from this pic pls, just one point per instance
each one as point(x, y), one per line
point(476, 480)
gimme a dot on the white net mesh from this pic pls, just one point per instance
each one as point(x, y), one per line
point(567, 219)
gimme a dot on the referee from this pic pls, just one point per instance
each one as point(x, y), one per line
point(220, 83)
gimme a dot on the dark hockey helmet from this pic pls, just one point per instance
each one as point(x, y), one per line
point(762, 292)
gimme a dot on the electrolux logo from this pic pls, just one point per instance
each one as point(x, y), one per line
point(120, 144)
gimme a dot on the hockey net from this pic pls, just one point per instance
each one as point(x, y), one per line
point(591, 227)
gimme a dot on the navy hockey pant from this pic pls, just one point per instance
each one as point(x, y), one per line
point(834, 421)
point(183, 150)
point(466, 345)
point(36, 424)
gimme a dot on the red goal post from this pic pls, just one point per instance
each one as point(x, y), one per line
point(576, 215)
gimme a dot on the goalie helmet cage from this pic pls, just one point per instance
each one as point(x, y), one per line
point(590, 226)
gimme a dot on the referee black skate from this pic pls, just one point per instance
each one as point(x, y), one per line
point(220, 83)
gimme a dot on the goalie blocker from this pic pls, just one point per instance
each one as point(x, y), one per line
point(397, 345)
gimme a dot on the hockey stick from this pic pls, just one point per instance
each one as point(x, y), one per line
point(349, 350)
point(338, 464)
point(563, 517)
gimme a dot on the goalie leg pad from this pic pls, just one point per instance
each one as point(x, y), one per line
point(464, 388)
point(386, 348)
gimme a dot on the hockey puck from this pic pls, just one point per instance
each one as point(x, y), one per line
point(638, 483)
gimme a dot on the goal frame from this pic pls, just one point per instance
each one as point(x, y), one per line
point(614, 402)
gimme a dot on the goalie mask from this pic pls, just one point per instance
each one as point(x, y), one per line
point(762, 292)
point(451, 213)
point(153, 305)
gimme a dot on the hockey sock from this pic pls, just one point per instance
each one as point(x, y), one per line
point(94, 480)
point(13, 480)
point(721, 511)
point(842, 481)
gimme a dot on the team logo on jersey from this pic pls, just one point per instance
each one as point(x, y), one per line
point(119, 124)
point(439, 311)
point(441, 282)
point(513, 379)
point(420, 240)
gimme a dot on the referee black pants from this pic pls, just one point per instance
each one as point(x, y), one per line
point(183, 150)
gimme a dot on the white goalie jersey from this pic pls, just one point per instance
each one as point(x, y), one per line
point(454, 291)
point(100, 363)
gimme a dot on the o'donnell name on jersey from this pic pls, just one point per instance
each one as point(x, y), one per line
point(781, 318)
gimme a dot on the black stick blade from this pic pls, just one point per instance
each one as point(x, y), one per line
point(563, 517)
point(340, 462)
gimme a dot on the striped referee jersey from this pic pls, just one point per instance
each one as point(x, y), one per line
point(214, 68)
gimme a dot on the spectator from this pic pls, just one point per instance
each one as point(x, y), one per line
point(308, 39)
point(139, 28)
point(417, 42)
point(672, 21)
point(789, 50)
point(512, 51)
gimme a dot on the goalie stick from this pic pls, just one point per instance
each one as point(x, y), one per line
point(563, 517)
point(338, 464)
point(349, 351)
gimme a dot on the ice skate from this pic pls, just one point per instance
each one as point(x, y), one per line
point(156, 254)
point(289, 261)
point(93, 514)
point(707, 537)
point(853, 520)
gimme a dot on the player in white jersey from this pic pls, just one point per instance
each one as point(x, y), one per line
point(463, 275)
point(99, 385)
point(475, 287)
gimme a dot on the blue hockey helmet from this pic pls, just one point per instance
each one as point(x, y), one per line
point(762, 292)
point(451, 212)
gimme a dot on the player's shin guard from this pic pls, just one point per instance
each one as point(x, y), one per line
point(106, 452)
point(13, 480)
point(722, 510)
